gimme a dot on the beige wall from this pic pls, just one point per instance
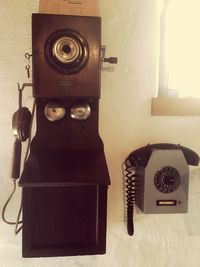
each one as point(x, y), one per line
point(130, 32)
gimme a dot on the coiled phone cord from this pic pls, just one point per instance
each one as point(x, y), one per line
point(17, 230)
point(129, 194)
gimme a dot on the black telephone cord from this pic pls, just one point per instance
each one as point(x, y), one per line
point(17, 230)
point(129, 195)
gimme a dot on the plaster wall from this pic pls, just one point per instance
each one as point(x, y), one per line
point(130, 31)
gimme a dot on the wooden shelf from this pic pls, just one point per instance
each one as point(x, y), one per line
point(172, 106)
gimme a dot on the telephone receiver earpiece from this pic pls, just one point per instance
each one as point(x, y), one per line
point(21, 122)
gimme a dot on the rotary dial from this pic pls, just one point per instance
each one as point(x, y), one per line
point(167, 180)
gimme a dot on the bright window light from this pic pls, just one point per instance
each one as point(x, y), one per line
point(182, 47)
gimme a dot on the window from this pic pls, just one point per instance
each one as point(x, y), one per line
point(179, 65)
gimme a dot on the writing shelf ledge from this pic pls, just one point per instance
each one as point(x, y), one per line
point(174, 106)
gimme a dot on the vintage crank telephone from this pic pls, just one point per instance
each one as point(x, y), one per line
point(65, 176)
point(157, 179)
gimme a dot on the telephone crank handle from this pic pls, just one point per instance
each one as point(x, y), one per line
point(111, 60)
point(16, 159)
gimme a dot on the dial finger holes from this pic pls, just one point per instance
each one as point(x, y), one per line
point(167, 180)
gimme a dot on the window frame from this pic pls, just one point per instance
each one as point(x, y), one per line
point(168, 102)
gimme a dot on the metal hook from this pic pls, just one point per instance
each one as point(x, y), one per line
point(28, 56)
point(20, 90)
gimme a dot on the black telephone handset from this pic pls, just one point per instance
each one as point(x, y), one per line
point(167, 165)
point(141, 155)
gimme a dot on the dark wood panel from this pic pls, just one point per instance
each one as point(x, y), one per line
point(47, 82)
point(64, 221)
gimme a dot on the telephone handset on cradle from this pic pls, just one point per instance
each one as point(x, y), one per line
point(157, 179)
point(21, 127)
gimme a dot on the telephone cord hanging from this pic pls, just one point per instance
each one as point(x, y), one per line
point(17, 230)
point(129, 194)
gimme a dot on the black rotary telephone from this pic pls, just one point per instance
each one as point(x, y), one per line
point(157, 179)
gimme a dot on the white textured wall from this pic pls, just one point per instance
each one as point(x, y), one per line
point(130, 32)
